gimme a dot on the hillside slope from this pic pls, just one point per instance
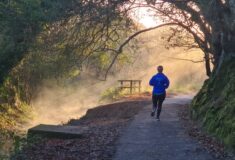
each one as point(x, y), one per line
point(214, 105)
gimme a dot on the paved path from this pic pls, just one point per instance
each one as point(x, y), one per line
point(148, 139)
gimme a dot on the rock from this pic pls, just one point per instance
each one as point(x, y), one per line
point(56, 131)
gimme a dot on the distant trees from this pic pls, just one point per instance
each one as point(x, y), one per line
point(211, 23)
point(64, 36)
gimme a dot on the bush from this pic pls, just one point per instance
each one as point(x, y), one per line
point(112, 94)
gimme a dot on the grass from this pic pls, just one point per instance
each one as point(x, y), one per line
point(11, 126)
point(113, 94)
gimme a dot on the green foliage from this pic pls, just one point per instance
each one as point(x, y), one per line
point(12, 121)
point(14, 114)
point(47, 39)
point(214, 105)
point(12, 143)
point(111, 94)
point(22, 141)
point(22, 20)
point(19, 24)
point(43, 39)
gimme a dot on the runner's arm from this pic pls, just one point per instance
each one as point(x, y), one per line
point(167, 82)
point(152, 81)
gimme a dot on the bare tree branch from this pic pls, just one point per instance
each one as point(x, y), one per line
point(183, 59)
point(120, 49)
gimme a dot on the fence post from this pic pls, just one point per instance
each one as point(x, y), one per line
point(131, 86)
point(139, 86)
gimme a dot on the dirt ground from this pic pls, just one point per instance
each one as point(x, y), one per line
point(105, 124)
point(210, 143)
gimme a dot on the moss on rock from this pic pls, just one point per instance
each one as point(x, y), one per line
point(214, 105)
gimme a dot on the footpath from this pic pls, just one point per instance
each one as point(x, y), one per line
point(148, 139)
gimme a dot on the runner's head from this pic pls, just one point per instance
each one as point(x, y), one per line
point(160, 69)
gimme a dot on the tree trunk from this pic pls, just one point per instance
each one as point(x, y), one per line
point(207, 64)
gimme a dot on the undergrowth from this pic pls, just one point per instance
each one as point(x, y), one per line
point(112, 94)
point(14, 114)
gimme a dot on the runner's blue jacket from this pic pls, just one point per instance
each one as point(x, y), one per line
point(160, 83)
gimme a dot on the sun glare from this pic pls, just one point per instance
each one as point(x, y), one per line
point(145, 17)
point(148, 21)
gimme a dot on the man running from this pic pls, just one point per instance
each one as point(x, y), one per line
point(160, 83)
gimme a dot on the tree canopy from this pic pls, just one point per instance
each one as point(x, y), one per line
point(93, 33)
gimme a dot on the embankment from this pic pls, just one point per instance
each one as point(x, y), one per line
point(214, 105)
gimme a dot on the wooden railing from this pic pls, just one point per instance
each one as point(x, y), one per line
point(132, 85)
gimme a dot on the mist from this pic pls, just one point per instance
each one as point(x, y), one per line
point(56, 104)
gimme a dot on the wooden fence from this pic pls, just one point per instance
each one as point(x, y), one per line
point(132, 85)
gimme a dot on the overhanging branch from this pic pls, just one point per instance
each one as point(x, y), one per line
point(184, 59)
point(120, 48)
